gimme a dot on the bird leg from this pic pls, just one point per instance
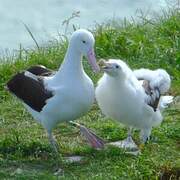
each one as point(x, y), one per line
point(145, 135)
point(93, 140)
point(58, 157)
point(53, 142)
point(127, 143)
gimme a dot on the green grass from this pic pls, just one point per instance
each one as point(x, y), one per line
point(24, 149)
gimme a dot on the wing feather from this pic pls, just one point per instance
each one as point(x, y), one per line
point(155, 83)
point(29, 89)
point(40, 70)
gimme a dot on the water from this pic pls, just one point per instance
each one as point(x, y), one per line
point(45, 17)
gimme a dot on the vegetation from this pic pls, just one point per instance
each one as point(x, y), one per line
point(24, 149)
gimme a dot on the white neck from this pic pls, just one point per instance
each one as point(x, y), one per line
point(115, 81)
point(72, 64)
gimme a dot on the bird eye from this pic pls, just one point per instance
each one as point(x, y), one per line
point(117, 66)
point(84, 41)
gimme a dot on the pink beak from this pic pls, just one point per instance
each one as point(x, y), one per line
point(92, 60)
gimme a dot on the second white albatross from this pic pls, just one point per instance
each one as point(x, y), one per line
point(63, 96)
point(133, 97)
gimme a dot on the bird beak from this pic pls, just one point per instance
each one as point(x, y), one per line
point(104, 65)
point(92, 61)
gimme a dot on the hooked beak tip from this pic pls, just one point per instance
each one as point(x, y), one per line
point(96, 70)
point(103, 65)
point(92, 60)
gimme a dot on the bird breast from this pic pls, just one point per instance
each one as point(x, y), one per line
point(71, 101)
point(119, 103)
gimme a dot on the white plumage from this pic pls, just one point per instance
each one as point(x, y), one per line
point(67, 94)
point(122, 95)
point(158, 78)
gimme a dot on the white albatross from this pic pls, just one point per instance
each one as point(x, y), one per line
point(63, 96)
point(133, 97)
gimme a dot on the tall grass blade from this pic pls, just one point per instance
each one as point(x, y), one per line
point(31, 34)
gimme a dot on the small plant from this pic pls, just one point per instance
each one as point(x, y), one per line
point(31, 34)
point(66, 22)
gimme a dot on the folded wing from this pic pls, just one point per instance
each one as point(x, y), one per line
point(30, 88)
point(155, 84)
point(40, 70)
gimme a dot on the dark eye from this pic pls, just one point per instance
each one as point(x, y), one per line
point(117, 66)
point(84, 41)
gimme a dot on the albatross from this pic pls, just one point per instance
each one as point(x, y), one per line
point(134, 98)
point(64, 95)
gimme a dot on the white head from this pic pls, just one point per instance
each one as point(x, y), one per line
point(83, 41)
point(115, 68)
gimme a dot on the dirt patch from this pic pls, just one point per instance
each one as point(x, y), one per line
point(169, 174)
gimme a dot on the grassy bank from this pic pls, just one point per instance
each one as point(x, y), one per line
point(24, 149)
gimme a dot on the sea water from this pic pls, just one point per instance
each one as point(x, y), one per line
point(44, 17)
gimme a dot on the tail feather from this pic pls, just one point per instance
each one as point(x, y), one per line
point(165, 101)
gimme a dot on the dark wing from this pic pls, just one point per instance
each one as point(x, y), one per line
point(153, 95)
point(30, 90)
point(40, 70)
